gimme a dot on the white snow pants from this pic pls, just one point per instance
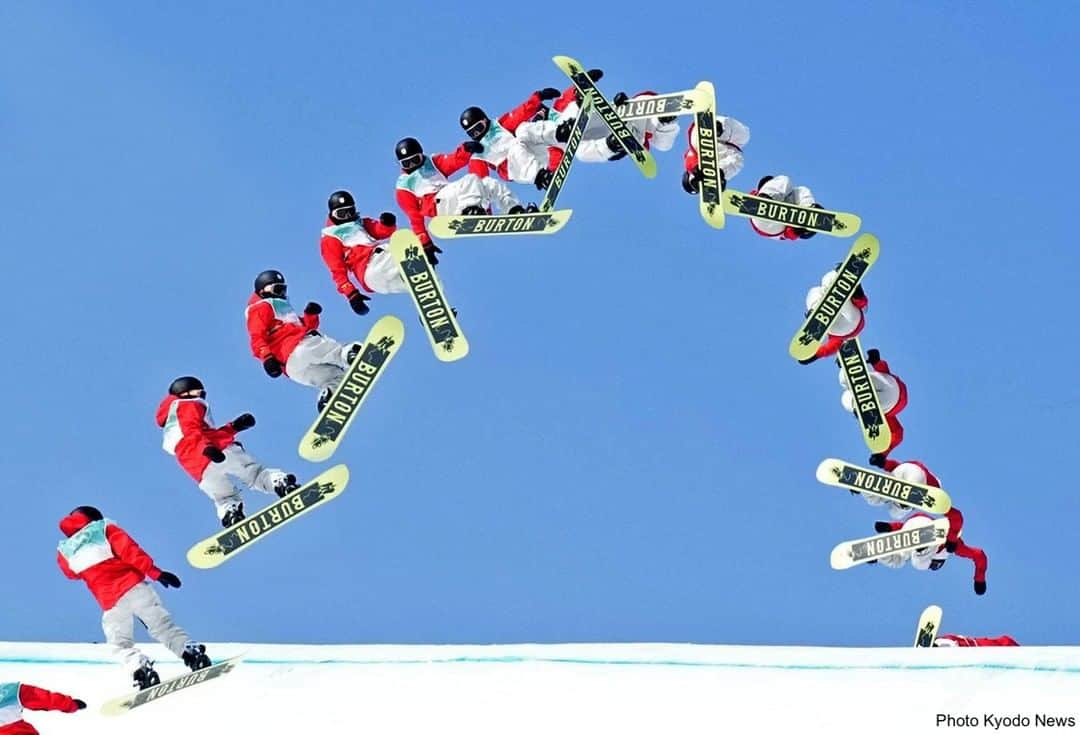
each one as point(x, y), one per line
point(472, 190)
point(219, 479)
point(318, 361)
point(780, 189)
point(383, 274)
point(140, 602)
point(663, 136)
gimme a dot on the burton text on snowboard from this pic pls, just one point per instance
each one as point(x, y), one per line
point(838, 224)
point(438, 318)
point(868, 411)
point(882, 485)
point(850, 553)
point(558, 177)
point(710, 188)
point(128, 702)
point(479, 225)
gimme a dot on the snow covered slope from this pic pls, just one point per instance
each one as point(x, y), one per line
point(573, 688)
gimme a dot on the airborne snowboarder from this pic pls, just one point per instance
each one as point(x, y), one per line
point(357, 246)
point(933, 558)
point(290, 344)
point(892, 394)
point(211, 455)
point(781, 189)
point(115, 569)
point(16, 696)
point(848, 323)
point(909, 470)
point(731, 137)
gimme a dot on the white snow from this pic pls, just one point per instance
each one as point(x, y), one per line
point(563, 689)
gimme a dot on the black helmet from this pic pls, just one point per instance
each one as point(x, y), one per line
point(270, 278)
point(342, 207)
point(89, 511)
point(410, 154)
point(184, 384)
point(475, 122)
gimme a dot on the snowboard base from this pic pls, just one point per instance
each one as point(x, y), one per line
point(447, 339)
point(479, 225)
point(128, 702)
point(825, 221)
point(929, 625)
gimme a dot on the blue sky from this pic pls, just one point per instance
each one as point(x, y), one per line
point(628, 452)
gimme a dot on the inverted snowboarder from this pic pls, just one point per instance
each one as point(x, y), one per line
point(287, 343)
point(892, 394)
point(358, 247)
point(115, 569)
point(16, 696)
point(847, 324)
point(781, 189)
point(731, 137)
point(211, 455)
point(909, 470)
point(933, 558)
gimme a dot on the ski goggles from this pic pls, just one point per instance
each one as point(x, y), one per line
point(343, 214)
point(413, 162)
point(477, 129)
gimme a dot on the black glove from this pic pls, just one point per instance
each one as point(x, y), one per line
point(666, 120)
point(312, 309)
point(936, 564)
point(243, 422)
point(79, 704)
point(877, 460)
point(547, 93)
point(168, 579)
point(980, 588)
point(471, 146)
point(357, 302)
point(214, 454)
point(858, 293)
point(873, 356)
point(388, 219)
point(473, 209)
point(516, 209)
point(882, 526)
point(595, 74)
point(808, 360)
point(619, 98)
point(950, 546)
point(691, 180)
point(430, 251)
point(272, 366)
point(562, 133)
point(613, 144)
point(543, 178)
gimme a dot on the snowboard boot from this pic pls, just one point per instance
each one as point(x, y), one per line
point(613, 144)
point(285, 485)
point(195, 657)
point(531, 208)
point(473, 209)
point(145, 676)
point(233, 515)
point(353, 352)
point(324, 398)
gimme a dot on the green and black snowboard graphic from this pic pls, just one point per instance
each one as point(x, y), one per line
point(868, 411)
point(437, 316)
point(128, 702)
point(825, 221)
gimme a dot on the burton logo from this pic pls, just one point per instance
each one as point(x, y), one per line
point(433, 309)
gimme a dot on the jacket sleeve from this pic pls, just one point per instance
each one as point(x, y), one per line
point(192, 418)
point(310, 321)
point(377, 229)
point(62, 563)
point(882, 367)
point(977, 556)
point(409, 204)
point(259, 319)
point(956, 523)
point(128, 551)
point(480, 168)
point(860, 302)
point(449, 163)
point(690, 158)
point(521, 113)
point(42, 699)
point(555, 156)
point(333, 254)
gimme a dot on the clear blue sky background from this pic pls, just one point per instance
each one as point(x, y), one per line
point(628, 452)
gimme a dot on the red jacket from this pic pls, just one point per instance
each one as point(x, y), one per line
point(188, 433)
point(352, 255)
point(509, 120)
point(32, 697)
point(956, 523)
point(275, 328)
point(964, 641)
point(419, 204)
point(109, 579)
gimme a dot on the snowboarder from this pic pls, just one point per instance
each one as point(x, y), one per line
point(781, 189)
point(731, 137)
point(932, 558)
point(516, 146)
point(16, 696)
point(212, 456)
point(358, 246)
point(289, 344)
point(892, 395)
point(849, 323)
point(423, 189)
point(949, 640)
point(115, 569)
point(907, 471)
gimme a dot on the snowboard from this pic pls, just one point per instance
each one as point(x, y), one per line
point(868, 411)
point(711, 188)
point(558, 177)
point(325, 434)
point(438, 318)
point(851, 553)
point(633, 147)
point(478, 225)
point(225, 544)
point(128, 702)
point(929, 625)
point(687, 102)
point(839, 473)
point(863, 254)
point(838, 224)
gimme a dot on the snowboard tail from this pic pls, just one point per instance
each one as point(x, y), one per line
point(825, 221)
point(480, 225)
point(814, 330)
point(128, 702)
point(447, 339)
point(875, 428)
point(222, 546)
point(913, 495)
